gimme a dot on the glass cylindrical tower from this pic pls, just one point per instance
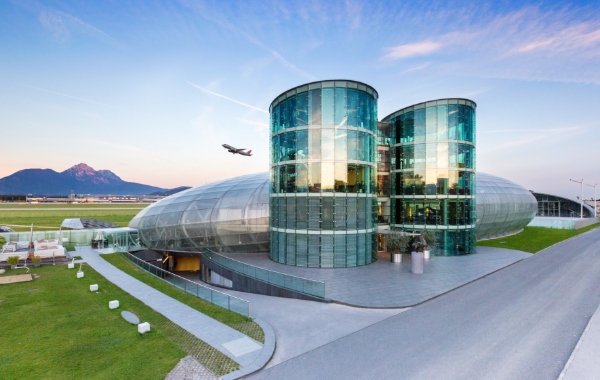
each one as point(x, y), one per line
point(433, 188)
point(323, 203)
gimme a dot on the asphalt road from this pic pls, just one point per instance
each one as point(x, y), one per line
point(521, 322)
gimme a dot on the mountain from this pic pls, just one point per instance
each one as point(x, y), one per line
point(170, 191)
point(81, 179)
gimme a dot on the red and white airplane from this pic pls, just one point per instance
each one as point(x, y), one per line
point(233, 150)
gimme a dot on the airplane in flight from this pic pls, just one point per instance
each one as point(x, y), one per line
point(233, 150)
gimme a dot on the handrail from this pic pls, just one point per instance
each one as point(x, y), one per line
point(239, 305)
point(288, 281)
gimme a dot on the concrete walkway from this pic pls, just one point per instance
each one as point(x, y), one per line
point(584, 363)
point(239, 347)
point(391, 285)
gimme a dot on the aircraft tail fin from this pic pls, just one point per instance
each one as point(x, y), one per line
point(250, 151)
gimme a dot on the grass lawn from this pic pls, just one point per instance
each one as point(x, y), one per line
point(229, 318)
point(534, 239)
point(63, 331)
point(48, 216)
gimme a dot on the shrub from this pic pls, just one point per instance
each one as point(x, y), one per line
point(36, 259)
point(13, 260)
point(396, 242)
point(429, 237)
point(2, 241)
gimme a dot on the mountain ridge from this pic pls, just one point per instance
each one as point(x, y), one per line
point(80, 178)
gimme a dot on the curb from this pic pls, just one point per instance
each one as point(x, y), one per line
point(564, 371)
point(263, 358)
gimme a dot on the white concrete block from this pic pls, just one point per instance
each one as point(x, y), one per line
point(113, 304)
point(79, 274)
point(93, 287)
point(71, 265)
point(143, 327)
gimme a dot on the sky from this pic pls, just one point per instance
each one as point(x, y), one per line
point(151, 89)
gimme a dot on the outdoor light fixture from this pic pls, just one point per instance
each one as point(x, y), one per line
point(581, 200)
point(595, 201)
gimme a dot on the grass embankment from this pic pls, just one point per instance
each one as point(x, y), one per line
point(61, 330)
point(534, 239)
point(53, 216)
point(242, 324)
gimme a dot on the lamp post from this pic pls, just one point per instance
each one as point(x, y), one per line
point(595, 201)
point(581, 200)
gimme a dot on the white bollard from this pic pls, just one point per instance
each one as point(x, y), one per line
point(94, 288)
point(79, 274)
point(143, 327)
point(71, 266)
point(113, 304)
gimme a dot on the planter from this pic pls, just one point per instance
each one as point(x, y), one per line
point(36, 264)
point(416, 262)
point(426, 255)
point(396, 257)
point(13, 267)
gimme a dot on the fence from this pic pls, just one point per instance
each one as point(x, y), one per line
point(226, 301)
point(118, 237)
point(299, 284)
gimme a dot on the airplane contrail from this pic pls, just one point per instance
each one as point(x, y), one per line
point(228, 98)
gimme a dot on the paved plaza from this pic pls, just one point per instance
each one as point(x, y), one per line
point(384, 284)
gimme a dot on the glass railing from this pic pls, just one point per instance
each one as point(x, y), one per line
point(299, 284)
point(237, 305)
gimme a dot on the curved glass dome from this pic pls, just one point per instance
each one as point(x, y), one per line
point(554, 205)
point(503, 207)
point(226, 216)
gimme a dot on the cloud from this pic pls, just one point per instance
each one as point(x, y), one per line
point(412, 50)
point(416, 68)
point(55, 25)
point(228, 98)
point(60, 24)
point(528, 43)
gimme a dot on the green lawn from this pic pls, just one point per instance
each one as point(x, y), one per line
point(231, 319)
point(61, 330)
point(44, 216)
point(534, 239)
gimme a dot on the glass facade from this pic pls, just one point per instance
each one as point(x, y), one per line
point(324, 175)
point(503, 207)
point(226, 216)
point(553, 205)
point(433, 172)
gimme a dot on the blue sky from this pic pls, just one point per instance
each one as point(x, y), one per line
point(150, 90)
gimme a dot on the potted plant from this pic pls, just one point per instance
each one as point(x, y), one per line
point(13, 261)
point(416, 256)
point(430, 240)
point(396, 244)
point(36, 261)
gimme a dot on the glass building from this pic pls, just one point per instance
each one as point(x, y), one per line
point(503, 207)
point(553, 205)
point(433, 172)
point(323, 175)
point(225, 216)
